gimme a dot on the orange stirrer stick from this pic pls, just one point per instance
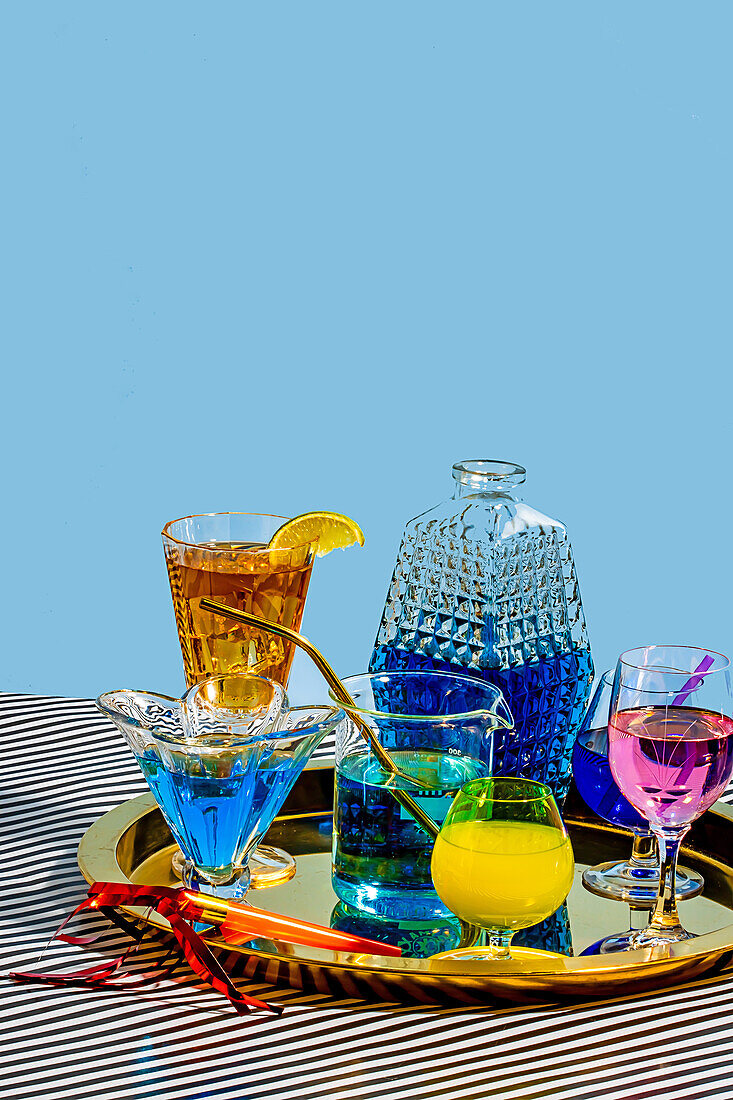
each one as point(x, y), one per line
point(235, 920)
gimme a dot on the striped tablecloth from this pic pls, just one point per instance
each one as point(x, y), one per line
point(64, 766)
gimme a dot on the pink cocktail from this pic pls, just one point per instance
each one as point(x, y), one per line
point(671, 763)
point(670, 748)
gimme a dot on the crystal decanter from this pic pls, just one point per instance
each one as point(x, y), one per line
point(485, 584)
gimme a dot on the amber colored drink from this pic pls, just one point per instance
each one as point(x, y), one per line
point(245, 575)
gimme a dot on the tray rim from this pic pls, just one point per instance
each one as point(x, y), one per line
point(691, 958)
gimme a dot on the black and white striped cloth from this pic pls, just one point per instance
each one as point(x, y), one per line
point(65, 765)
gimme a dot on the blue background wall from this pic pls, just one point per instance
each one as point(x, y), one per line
point(286, 256)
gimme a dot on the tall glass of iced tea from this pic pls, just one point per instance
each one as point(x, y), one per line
point(224, 555)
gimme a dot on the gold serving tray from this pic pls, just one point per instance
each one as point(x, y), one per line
point(132, 843)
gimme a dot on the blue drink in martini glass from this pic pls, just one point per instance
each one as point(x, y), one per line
point(220, 766)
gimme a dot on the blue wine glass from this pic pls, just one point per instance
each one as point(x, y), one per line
point(635, 880)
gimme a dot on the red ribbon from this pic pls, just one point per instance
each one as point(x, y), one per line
point(169, 903)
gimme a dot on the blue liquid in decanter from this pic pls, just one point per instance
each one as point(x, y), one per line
point(486, 585)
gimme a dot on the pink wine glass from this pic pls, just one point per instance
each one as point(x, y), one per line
point(670, 747)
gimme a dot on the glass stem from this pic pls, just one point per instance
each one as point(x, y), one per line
point(638, 918)
point(499, 940)
point(644, 851)
point(665, 916)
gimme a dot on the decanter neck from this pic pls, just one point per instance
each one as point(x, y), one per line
point(487, 475)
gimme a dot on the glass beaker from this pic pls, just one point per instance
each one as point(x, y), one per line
point(438, 727)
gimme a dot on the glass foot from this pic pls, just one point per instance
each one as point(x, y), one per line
point(518, 955)
point(233, 890)
point(644, 937)
point(620, 942)
point(178, 863)
point(268, 866)
point(620, 880)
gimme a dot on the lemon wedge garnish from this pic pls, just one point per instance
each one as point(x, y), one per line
point(333, 531)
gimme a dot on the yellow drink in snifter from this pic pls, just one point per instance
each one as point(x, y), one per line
point(502, 874)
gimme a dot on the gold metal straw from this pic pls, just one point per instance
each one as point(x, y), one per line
point(414, 809)
point(470, 933)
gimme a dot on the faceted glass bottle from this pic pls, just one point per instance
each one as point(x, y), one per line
point(485, 584)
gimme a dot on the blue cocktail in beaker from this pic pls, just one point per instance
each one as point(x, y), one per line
point(438, 728)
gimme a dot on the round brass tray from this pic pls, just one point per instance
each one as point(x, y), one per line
point(132, 843)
